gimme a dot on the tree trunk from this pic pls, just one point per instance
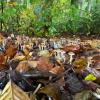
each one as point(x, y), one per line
point(2, 6)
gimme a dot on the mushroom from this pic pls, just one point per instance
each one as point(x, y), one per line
point(40, 48)
point(55, 45)
point(4, 44)
point(22, 47)
point(77, 41)
point(71, 54)
point(89, 62)
point(57, 54)
point(63, 41)
point(12, 35)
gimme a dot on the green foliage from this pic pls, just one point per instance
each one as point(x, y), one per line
point(95, 16)
point(79, 21)
point(51, 17)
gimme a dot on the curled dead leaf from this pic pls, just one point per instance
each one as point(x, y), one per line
point(72, 48)
point(33, 64)
point(3, 61)
point(11, 51)
point(20, 58)
point(13, 92)
point(26, 51)
point(57, 70)
point(23, 66)
point(80, 64)
point(51, 90)
point(44, 64)
point(96, 59)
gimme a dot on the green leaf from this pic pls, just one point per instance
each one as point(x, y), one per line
point(90, 77)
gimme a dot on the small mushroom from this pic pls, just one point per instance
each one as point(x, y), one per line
point(4, 44)
point(71, 54)
point(12, 35)
point(89, 61)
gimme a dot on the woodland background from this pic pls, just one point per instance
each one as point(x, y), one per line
point(50, 17)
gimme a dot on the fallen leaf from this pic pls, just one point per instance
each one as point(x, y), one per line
point(57, 70)
point(11, 51)
point(51, 90)
point(90, 77)
point(13, 92)
point(72, 48)
point(96, 59)
point(23, 66)
point(20, 58)
point(44, 64)
point(80, 64)
point(84, 95)
point(33, 64)
point(44, 53)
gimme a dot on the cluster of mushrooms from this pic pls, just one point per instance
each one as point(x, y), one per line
point(51, 68)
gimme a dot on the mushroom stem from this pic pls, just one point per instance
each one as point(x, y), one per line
point(89, 63)
point(71, 57)
point(4, 44)
point(39, 47)
point(42, 47)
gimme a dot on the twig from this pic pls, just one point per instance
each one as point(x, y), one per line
point(36, 90)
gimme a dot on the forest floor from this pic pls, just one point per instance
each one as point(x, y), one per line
point(56, 68)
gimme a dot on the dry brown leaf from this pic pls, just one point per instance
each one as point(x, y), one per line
point(26, 51)
point(57, 70)
point(11, 51)
point(2, 59)
point(96, 58)
point(72, 48)
point(80, 64)
point(33, 64)
point(23, 66)
point(13, 92)
point(1, 38)
point(44, 64)
point(87, 47)
point(84, 95)
point(20, 58)
point(51, 90)
point(44, 53)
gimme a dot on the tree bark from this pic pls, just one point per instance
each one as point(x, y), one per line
point(2, 6)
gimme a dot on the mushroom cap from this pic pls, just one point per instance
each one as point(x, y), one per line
point(58, 50)
point(44, 53)
point(71, 53)
point(90, 58)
